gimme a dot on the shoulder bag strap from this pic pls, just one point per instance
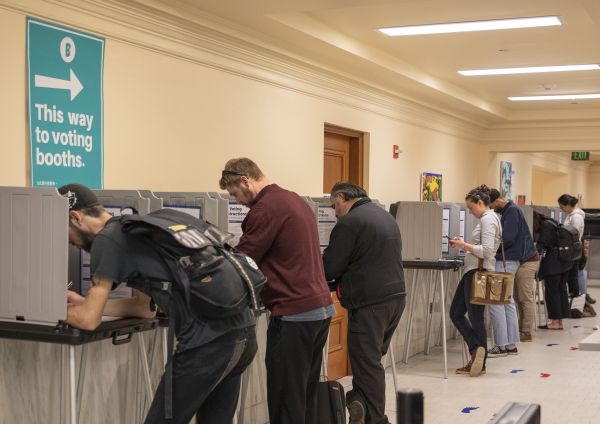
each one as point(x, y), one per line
point(501, 241)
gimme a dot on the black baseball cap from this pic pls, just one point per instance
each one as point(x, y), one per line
point(79, 196)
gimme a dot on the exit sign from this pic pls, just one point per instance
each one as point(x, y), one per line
point(580, 155)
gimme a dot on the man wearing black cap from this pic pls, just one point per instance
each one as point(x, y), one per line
point(210, 356)
point(522, 259)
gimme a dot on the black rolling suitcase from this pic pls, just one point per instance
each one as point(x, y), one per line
point(332, 403)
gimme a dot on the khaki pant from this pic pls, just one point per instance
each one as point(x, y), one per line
point(524, 294)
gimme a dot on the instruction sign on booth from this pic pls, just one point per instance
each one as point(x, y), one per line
point(65, 70)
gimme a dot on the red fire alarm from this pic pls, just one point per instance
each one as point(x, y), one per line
point(396, 151)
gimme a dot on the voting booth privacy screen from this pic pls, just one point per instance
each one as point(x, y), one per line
point(33, 255)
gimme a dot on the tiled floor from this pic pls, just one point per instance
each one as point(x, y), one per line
point(547, 371)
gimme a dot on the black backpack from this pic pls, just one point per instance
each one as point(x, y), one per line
point(216, 281)
point(570, 247)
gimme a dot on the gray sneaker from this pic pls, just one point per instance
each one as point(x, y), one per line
point(513, 351)
point(497, 352)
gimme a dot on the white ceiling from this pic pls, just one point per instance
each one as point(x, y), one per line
point(340, 35)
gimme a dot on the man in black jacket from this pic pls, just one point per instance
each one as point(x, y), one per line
point(364, 256)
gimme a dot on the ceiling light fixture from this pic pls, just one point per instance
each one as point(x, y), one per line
point(541, 21)
point(556, 97)
point(529, 70)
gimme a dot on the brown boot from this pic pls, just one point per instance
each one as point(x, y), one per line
point(467, 369)
point(525, 337)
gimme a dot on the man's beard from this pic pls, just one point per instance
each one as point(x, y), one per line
point(86, 241)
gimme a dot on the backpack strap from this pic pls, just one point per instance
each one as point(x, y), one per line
point(169, 371)
point(244, 276)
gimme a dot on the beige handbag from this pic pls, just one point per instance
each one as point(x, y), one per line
point(492, 287)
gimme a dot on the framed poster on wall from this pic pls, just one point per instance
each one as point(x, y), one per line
point(506, 172)
point(431, 187)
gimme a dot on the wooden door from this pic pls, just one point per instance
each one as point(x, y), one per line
point(342, 156)
point(336, 160)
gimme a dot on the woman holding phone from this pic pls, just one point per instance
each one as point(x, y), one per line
point(486, 240)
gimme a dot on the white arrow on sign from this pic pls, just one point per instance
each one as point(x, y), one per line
point(48, 82)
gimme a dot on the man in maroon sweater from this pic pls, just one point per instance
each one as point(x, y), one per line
point(280, 234)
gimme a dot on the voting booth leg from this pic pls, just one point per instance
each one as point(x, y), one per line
point(444, 347)
point(80, 379)
point(164, 331)
point(452, 289)
point(412, 297)
point(145, 367)
point(72, 386)
point(243, 395)
point(393, 359)
point(540, 309)
point(430, 302)
point(430, 311)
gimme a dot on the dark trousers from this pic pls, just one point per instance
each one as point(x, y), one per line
point(557, 298)
point(370, 331)
point(206, 380)
point(293, 360)
point(573, 279)
point(472, 329)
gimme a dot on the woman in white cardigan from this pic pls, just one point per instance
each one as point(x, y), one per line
point(486, 240)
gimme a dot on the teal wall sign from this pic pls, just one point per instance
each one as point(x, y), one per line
point(65, 69)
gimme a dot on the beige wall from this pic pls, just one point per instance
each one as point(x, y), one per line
point(174, 113)
point(13, 95)
point(592, 199)
point(541, 177)
point(170, 124)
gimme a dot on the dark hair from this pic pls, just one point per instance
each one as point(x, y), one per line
point(567, 199)
point(494, 195)
point(479, 193)
point(348, 190)
point(237, 168)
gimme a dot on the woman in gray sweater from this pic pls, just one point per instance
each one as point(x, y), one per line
point(486, 240)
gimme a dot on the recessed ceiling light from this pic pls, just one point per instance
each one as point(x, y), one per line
point(515, 23)
point(556, 97)
point(529, 70)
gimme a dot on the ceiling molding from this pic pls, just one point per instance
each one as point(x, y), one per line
point(543, 136)
point(561, 159)
point(191, 40)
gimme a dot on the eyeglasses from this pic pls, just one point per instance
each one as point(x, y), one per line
point(229, 172)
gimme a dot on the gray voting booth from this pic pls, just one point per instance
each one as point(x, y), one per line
point(33, 290)
point(544, 210)
point(33, 255)
point(421, 226)
point(528, 214)
point(156, 203)
point(207, 206)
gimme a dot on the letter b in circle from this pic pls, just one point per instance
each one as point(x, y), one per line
point(67, 49)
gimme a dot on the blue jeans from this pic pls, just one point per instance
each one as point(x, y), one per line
point(472, 329)
point(505, 321)
point(583, 277)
